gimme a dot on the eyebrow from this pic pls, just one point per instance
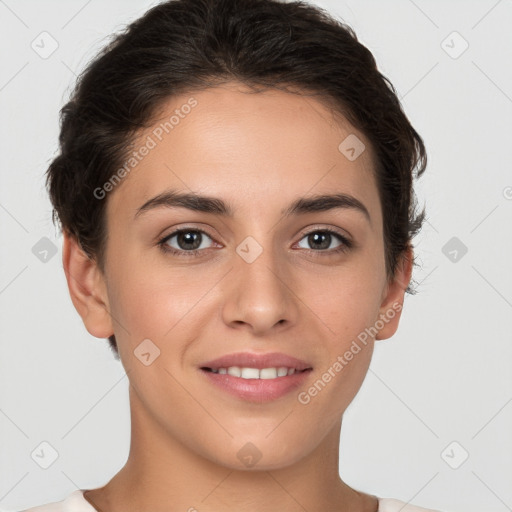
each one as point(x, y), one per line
point(213, 205)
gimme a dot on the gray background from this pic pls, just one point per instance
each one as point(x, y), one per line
point(444, 378)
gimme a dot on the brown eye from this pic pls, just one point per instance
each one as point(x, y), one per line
point(185, 242)
point(322, 240)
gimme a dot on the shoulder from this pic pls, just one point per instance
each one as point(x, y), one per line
point(392, 505)
point(75, 502)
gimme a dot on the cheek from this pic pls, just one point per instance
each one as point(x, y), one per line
point(350, 303)
point(350, 309)
point(345, 353)
point(154, 302)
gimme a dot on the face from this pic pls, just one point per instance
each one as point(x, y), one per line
point(304, 290)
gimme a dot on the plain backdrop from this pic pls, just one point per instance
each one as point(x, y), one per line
point(432, 422)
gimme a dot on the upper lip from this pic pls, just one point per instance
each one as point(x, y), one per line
point(260, 361)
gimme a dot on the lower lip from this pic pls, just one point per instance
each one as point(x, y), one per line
point(257, 390)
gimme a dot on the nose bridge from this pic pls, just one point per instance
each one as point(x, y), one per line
point(259, 295)
point(259, 262)
point(259, 265)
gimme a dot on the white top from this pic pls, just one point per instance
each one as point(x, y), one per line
point(76, 502)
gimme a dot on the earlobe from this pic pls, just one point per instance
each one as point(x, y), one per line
point(393, 300)
point(87, 288)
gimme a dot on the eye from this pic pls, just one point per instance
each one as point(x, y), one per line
point(189, 242)
point(320, 240)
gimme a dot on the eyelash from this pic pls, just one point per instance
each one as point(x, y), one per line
point(345, 246)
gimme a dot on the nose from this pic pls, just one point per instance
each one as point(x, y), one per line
point(259, 295)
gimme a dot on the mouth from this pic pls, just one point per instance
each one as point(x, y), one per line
point(256, 377)
point(256, 373)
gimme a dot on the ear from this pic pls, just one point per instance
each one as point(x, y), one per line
point(393, 296)
point(87, 288)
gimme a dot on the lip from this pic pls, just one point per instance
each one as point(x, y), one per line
point(254, 360)
point(257, 390)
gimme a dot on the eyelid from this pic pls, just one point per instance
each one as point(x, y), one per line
point(322, 227)
point(346, 241)
point(305, 231)
point(185, 227)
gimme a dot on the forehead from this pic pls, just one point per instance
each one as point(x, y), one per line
point(255, 149)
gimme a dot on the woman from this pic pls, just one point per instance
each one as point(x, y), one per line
point(235, 192)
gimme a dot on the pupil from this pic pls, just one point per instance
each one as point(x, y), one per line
point(326, 238)
point(188, 237)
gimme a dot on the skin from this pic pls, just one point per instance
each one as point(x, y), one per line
point(259, 152)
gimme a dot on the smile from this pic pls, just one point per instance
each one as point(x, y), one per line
point(255, 373)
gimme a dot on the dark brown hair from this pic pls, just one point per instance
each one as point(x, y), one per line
point(184, 45)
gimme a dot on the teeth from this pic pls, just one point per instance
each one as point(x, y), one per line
point(250, 373)
point(255, 373)
point(268, 373)
point(235, 371)
point(281, 372)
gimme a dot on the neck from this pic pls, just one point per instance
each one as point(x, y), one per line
point(163, 475)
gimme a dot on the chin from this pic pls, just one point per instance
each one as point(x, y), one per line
point(257, 455)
